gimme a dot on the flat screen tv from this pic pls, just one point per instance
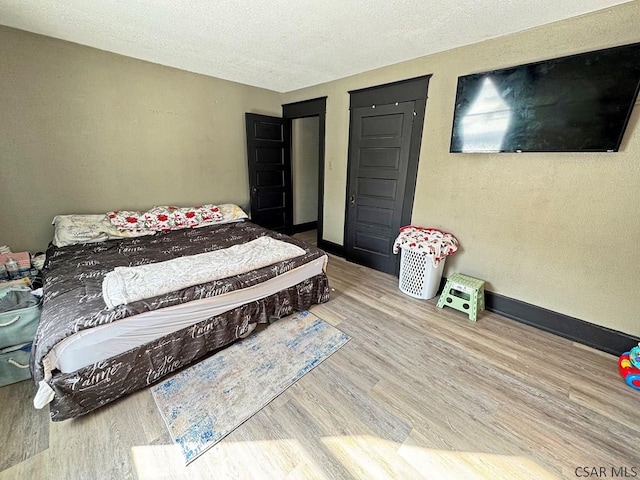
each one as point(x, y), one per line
point(580, 103)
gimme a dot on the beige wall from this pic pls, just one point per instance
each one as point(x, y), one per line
point(86, 131)
point(555, 230)
point(304, 155)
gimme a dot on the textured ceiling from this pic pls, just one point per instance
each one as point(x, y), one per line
point(283, 45)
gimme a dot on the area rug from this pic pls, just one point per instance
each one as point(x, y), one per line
point(207, 401)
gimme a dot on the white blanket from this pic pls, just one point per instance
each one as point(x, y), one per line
point(128, 284)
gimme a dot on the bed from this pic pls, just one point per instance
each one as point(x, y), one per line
point(86, 354)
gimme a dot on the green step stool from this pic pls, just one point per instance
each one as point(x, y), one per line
point(463, 293)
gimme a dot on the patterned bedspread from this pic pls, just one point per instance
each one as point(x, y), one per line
point(73, 277)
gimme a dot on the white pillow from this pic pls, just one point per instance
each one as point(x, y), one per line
point(232, 213)
point(74, 229)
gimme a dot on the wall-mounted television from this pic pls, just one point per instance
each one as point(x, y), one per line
point(579, 103)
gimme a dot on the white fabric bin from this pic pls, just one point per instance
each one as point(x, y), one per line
point(418, 277)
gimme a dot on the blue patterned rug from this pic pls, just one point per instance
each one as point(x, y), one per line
point(206, 402)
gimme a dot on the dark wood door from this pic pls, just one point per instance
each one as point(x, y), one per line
point(269, 158)
point(379, 147)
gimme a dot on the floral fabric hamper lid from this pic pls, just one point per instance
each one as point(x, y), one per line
point(431, 242)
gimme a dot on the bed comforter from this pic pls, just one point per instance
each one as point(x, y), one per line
point(73, 301)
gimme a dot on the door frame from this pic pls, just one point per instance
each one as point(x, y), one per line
point(316, 107)
point(412, 89)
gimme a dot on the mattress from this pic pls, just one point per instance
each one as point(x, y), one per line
point(87, 355)
point(100, 343)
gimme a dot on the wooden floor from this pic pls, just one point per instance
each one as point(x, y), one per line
point(418, 392)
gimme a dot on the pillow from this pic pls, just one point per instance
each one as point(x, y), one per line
point(164, 218)
point(74, 229)
point(208, 215)
point(201, 215)
point(113, 232)
point(175, 218)
point(127, 220)
point(232, 213)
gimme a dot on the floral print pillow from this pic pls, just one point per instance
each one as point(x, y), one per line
point(127, 220)
point(163, 218)
point(208, 215)
point(175, 218)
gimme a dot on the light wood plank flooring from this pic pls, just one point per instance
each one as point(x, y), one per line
point(418, 392)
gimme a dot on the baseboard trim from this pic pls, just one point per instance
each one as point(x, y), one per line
point(331, 247)
point(590, 334)
point(305, 227)
point(571, 328)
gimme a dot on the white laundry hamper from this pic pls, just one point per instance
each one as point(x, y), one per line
point(418, 277)
point(419, 247)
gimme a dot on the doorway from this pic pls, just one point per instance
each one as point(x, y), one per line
point(271, 173)
point(305, 139)
point(307, 121)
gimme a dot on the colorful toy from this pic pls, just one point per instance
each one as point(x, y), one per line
point(629, 367)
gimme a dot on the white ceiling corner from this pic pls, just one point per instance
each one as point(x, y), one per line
point(283, 45)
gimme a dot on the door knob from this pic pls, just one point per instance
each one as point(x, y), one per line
point(352, 200)
point(254, 190)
